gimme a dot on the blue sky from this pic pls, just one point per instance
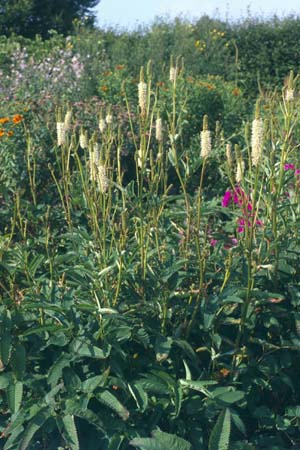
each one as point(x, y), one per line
point(128, 13)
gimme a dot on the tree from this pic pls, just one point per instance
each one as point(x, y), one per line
point(31, 17)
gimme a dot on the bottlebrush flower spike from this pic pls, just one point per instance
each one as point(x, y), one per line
point(68, 118)
point(205, 139)
point(158, 130)
point(229, 154)
point(61, 133)
point(83, 142)
point(103, 181)
point(102, 125)
point(240, 169)
point(142, 93)
point(257, 138)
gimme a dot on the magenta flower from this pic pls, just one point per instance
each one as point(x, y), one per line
point(226, 199)
point(289, 166)
point(213, 242)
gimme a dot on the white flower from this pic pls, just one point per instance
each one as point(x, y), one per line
point(83, 140)
point(256, 140)
point(173, 74)
point(158, 130)
point(103, 181)
point(205, 143)
point(240, 171)
point(68, 118)
point(109, 119)
point(289, 95)
point(102, 125)
point(61, 133)
point(142, 92)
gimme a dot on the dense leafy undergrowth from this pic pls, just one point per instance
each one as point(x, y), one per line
point(149, 270)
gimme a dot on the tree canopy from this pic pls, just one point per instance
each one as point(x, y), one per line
point(31, 17)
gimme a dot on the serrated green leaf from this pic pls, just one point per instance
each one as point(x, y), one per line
point(18, 361)
point(199, 386)
point(92, 383)
point(230, 396)
point(109, 400)
point(220, 435)
point(14, 393)
point(81, 349)
point(162, 347)
point(55, 372)
point(178, 394)
point(5, 380)
point(5, 346)
point(116, 442)
point(34, 425)
point(11, 441)
point(139, 395)
point(71, 380)
point(238, 422)
point(70, 432)
point(161, 441)
point(146, 444)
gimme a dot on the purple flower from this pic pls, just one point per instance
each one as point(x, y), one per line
point(213, 242)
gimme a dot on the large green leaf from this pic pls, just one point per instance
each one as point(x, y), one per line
point(34, 425)
point(220, 435)
point(161, 441)
point(55, 372)
point(109, 400)
point(82, 349)
point(18, 361)
point(139, 395)
point(70, 432)
point(14, 393)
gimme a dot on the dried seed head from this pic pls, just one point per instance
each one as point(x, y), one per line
point(240, 169)
point(61, 133)
point(159, 130)
point(256, 140)
point(229, 154)
point(102, 125)
point(142, 93)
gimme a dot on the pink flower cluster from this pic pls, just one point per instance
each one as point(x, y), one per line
point(289, 166)
point(240, 199)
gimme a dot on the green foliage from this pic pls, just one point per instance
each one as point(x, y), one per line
point(31, 17)
point(139, 305)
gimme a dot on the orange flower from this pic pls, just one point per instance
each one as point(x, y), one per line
point(224, 372)
point(104, 88)
point(4, 119)
point(2, 133)
point(17, 118)
point(236, 92)
point(10, 133)
point(120, 67)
